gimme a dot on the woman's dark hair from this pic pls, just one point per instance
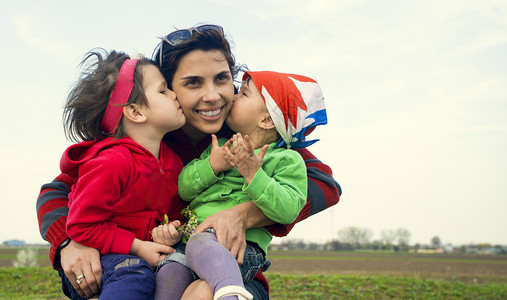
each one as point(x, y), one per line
point(200, 40)
point(87, 101)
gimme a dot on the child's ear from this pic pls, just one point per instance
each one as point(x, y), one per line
point(134, 113)
point(266, 122)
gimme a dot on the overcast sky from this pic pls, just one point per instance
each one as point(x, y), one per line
point(416, 94)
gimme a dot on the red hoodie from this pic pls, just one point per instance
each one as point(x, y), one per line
point(122, 193)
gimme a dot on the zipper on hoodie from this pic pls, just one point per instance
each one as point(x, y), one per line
point(160, 167)
point(159, 164)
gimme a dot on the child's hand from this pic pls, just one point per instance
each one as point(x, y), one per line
point(242, 156)
point(151, 252)
point(217, 157)
point(167, 234)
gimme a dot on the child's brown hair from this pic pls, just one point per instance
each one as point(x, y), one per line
point(87, 101)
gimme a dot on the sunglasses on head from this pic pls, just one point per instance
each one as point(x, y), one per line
point(179, 36)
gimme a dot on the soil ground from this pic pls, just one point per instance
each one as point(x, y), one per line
point(451, 266)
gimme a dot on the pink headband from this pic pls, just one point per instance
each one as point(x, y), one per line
point(119, 96)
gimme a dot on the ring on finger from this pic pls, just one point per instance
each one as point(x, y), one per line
point(80, 279)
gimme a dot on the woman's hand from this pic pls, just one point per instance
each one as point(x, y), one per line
point(217, 156)
point(167, 234)
point(230, 225)
point(81, 261)
point(151, 252)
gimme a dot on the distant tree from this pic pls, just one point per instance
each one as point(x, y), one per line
point(403, 237)
point(300, 245)
point(417, 246)
point(388, 237)
point(336, 245)
point(296, 244)
point(314, 246)
point(355, 235)
point(435, 242)
point(375, 245)
point(333, 245)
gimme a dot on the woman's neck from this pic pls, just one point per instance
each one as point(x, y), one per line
point(194, 134)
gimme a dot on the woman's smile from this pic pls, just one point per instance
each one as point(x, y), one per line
point(210, 113)
point(204, 85)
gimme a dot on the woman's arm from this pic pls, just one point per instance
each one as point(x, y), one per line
point(52, 211)
point(323, 192)
point(231, 224)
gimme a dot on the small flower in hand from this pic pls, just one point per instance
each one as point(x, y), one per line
point(187, 229)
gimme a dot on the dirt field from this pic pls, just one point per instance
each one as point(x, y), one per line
point(432, 265)
point(429, 265)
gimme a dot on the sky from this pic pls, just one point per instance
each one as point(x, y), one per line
point(416, 95)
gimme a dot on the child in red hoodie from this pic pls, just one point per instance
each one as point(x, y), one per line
point(120, 109)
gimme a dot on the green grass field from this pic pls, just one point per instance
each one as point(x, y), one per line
point(44, 283)
point(378, 287)
point(338, 277)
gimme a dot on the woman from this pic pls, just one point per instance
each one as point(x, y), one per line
point(199, 66)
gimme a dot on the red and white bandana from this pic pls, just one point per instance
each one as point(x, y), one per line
point(294, 102)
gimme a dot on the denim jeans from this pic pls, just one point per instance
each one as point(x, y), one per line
point(123, 277)
point(253, 261)
point(257, 289)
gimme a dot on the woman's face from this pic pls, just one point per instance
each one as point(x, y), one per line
point(204, 86)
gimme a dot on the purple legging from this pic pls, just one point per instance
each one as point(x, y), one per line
point(212, 262)
point(208, 259)
point(172, 280)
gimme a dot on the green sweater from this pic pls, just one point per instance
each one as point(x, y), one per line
point(278, 188)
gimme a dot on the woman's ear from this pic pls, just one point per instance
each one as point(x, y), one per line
point(134, 113)
point(266, 122)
